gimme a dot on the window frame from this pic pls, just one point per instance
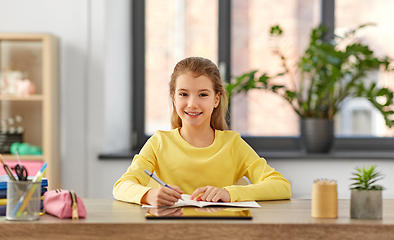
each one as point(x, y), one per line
point(138, 137)
point(271, 147)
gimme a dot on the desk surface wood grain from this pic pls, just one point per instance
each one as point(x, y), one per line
point(290, 219)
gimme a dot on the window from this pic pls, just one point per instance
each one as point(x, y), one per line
point(251, 18)
point(175, 29)
point(358, 117)
point(259, 112)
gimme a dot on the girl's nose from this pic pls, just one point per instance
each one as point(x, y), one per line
point(192, 103)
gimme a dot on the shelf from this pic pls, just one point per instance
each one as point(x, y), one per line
point(35, 56)
point(10, 157)
point(298, 155)
point(23, 36)
point(36, 97)
point(288, 155)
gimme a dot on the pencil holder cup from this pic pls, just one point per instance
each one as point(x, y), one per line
point(23, 200)
point(324, 199)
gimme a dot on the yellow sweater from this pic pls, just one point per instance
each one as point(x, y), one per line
point(222, 164)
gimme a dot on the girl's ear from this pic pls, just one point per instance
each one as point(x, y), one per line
point(217, 99)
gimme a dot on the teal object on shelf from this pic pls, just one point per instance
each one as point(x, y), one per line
point(25, 149)
point(14, 147)
point(35, 150)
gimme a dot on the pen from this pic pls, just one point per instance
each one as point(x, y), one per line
point(157, 179)
point(24, 200)
point(17, 157)
point(7, 169)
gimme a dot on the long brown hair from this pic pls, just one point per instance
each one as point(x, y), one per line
point(201, 66)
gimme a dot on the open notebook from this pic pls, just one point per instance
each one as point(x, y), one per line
point(188, 202)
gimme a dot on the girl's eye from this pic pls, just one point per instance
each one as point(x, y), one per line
point(203, 95)
point(183, 94)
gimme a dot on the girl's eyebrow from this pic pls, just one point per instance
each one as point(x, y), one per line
point(205, 89)
point(182, 89)
point(201, 90)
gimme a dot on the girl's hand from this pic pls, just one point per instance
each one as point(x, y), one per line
point(211, 194)
point(163, 196)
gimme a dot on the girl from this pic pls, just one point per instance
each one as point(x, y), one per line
point(199, 156)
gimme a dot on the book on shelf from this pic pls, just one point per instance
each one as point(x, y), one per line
point(3, 193)
point(3, 202)
point(5, 178)
point(3, 208)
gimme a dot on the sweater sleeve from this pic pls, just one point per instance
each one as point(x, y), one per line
point(267, 184)
point(131, 186)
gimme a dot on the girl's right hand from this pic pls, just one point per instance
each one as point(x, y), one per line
point(163, 196)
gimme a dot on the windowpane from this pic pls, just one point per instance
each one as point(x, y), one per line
point(359, 117)
point(262, 113)
point(175, 29)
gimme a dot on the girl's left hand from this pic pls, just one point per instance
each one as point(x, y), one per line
point(211, 194)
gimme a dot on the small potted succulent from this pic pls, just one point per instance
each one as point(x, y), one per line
point(366, 196)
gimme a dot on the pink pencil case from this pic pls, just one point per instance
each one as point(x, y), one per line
point(64, 204)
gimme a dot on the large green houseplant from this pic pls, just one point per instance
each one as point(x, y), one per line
point(328, 75)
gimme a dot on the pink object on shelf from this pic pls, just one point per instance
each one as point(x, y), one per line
point(25, 88)
point(32, 167)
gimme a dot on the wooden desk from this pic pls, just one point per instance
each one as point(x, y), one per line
point(110, 219)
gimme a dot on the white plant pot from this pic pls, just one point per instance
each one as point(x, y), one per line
point(366, 204)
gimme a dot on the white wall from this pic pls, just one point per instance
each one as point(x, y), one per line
point(109, 116)
point(94, 91)
point(86, 32)
point(302, 173)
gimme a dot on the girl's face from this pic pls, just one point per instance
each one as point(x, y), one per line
point(194, 100)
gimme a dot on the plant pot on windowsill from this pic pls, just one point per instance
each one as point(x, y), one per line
point(326, 76)
point(317, 134)
point(366, 199)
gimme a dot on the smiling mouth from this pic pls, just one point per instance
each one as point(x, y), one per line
point(193, 114)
